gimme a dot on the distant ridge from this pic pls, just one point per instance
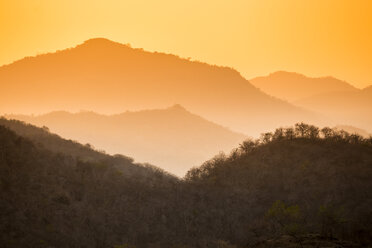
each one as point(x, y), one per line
point(328, 96)
point(348, 107)
point(172, 138)
point(292, 86)
point(353, 130)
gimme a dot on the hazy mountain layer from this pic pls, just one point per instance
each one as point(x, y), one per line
point(348, 108)
point(171, 138)
point(291, 86)
point(353, 130)
point(337, 100)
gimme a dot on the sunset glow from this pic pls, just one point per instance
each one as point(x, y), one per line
point(316, 38)
point(185, 123)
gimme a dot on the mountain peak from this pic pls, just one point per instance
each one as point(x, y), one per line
point(177, 107)
point(101, 43)
point(98, 40)
point(286, 74)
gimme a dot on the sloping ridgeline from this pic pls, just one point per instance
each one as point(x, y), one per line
point(86, 199)
point(42, 138)
point(292, 182)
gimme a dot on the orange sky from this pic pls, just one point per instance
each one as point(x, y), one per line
point(317, 38)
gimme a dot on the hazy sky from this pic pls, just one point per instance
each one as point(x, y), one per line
point(317, 37)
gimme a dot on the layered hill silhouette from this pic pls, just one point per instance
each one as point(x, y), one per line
point(108, 77)
point(351, 108)
point(339, 101)
point(310, 185)
point(171, 138)
point(291, 86)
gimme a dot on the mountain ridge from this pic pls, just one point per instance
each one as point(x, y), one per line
point(109, 77)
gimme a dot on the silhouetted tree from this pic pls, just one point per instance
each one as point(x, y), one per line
point(301, 129)
point(327, 132)
point(289, 133)
point(266, 138)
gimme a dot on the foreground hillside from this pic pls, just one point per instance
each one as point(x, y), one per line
point(109, 77)
point(296, 181)
point(55, 200)
point(292, 187)
point(171, 138)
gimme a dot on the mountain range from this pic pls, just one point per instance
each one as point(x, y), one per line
point(108, 77)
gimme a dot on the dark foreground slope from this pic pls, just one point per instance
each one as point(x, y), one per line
point(54, 200)
point(291, 183)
